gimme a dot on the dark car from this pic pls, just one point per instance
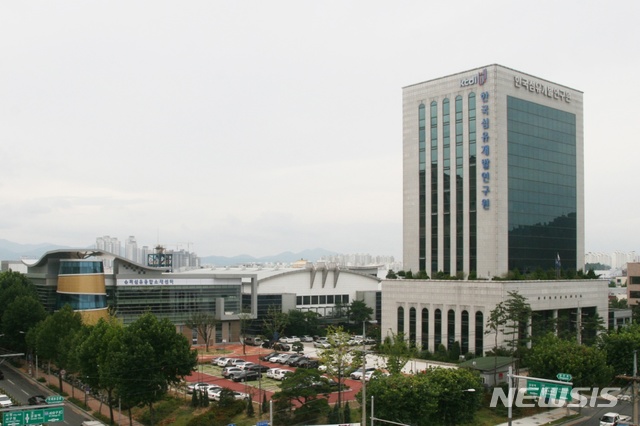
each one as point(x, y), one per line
point(37, 400)
point(245, 376)
point(308, 363)
point(259, 368)
point(279, 346)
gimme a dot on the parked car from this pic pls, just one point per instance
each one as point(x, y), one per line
point(281, 374)
point(247, 365)
point(271, 373)
point(322, 344)
point(357, 375)
point(198, 386)
point(245, 376)
point(308, 363)
point(236, 361)
point(269, 355)
point(222, 361)
point(228, 371)
point(295, 361)
point(276, 359)
point(279, 346)
point(306, 339)
point(259, 368)
point(215, 395)
point(253, 341)
point(283, 358)
point(293, 358)
point(5, 401)
point(37, 400)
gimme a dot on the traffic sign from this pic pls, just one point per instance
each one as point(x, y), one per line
point(33, 417)
point(262, 423)
point(550, 390)
point(564, 377)
point(55, 399)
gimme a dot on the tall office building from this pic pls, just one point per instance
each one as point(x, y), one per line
point(493, 174)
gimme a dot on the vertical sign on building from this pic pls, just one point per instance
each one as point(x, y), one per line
point(485, 152)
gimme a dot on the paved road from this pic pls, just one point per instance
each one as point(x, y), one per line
point(21, 388)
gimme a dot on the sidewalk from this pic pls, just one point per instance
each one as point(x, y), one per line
point(71, 391)
point(541, 418)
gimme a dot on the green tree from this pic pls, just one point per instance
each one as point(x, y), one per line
point(96, 350)
point(153, 356)
point(275, 321)
point(391, 275)
point(18, 318)
point(245, 320)
point(337, 358)
point(53, 338)
point(397, 352)
point(435, 397)
point(205, 324)
point(517, 316)
point(302, 323)
point(495, 326)
point(359, 312)
point(619, 346)
point(552, 355)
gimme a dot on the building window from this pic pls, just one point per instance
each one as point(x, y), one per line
point(400, 320)
point(451, 328)
point(447, 184)
point(314, 300)
point(434, 186)
point(464, 338)
point(298, 300)
point(437, 332)
point(412, 326)
point(425, 329)
point(473, 226)
point(330, 300)
point(306, 300)
point(422, 185)
point(323, 300)
point(459, 184)
point(479, 334)
point(542, 182)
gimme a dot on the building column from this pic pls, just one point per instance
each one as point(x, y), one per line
point(419, 326)
point(579, 325)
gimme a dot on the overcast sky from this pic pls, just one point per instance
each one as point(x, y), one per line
point(263, 126)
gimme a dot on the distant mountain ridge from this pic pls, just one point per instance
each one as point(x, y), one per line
point(284, 257)
point(16, 251)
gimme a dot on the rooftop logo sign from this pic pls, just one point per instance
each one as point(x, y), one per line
point(478, 79)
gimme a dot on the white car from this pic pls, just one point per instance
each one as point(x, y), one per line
point(357, 375)
point(282, 359)
point(229, 371)
point(246, 365)
point(5, 401)
point(222, 362)
point(215, 394)
point(271, 373)
point(198, 386)
point(307, 339)
point(322, 344)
